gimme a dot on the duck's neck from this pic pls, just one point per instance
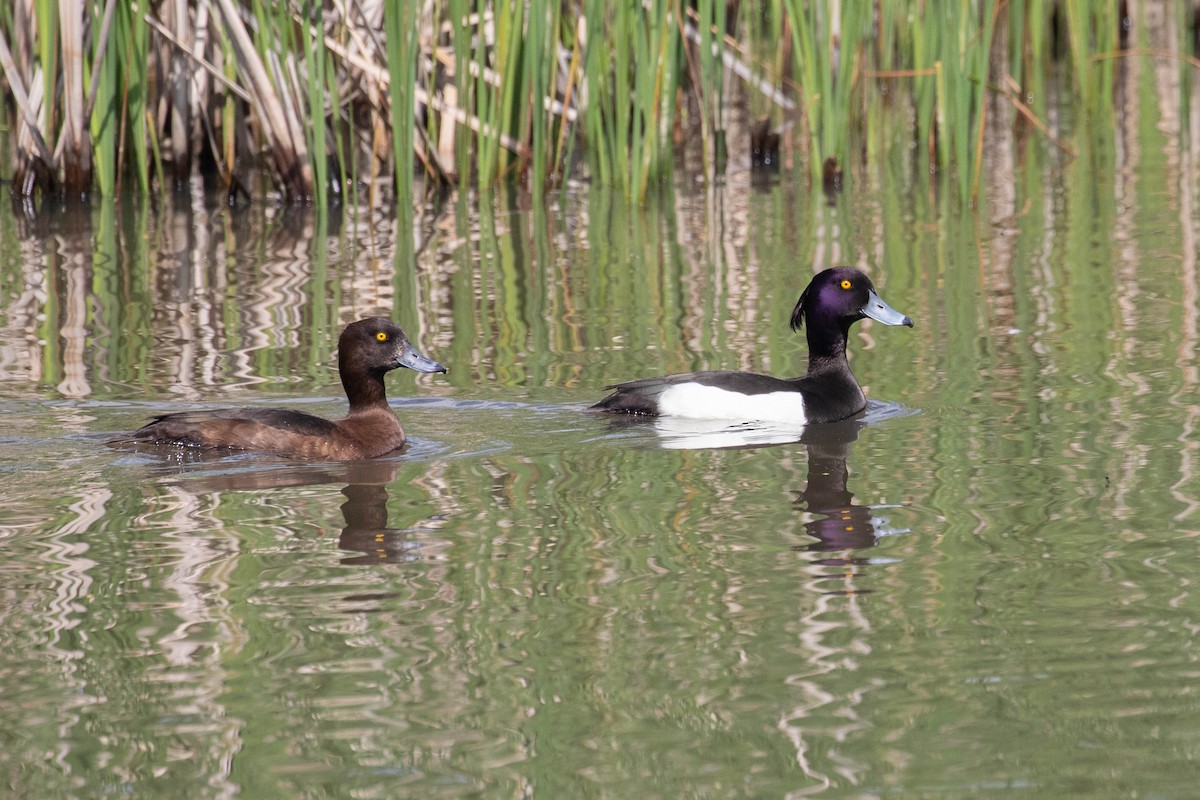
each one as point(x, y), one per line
point(827, 346)
point(836, 394)
point(365, 390)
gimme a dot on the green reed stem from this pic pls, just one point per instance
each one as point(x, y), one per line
point(104, 122)
point(46, 14)
point(538, 68)
point(132, 45)
point(336, 128)
point(623, 109)
point(315, 56)
point(155, 153)
point(642, 138)
point(229, 108)
point(510, 39)
point(400, 26)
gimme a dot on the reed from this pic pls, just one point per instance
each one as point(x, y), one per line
point(103, 126)
point(316, 85)
point(332, 96)
point(401, 40)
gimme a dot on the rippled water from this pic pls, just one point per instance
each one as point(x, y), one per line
point(984, 588)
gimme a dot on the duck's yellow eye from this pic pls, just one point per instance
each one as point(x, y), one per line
point(846, 284)
point(381, 336)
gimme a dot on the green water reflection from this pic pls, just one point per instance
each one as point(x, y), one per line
point(985, 589)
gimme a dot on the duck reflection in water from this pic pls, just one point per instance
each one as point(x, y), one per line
point(365, 528)
point(365, 516)
point(837, 524)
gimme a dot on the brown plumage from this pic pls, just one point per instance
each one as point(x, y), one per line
point(367, 350)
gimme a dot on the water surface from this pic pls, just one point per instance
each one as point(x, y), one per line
point(984, 588)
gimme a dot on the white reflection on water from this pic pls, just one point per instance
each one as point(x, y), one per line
point(676, 433)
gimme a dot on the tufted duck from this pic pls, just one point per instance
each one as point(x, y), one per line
point(833, 301)
point(367, 350)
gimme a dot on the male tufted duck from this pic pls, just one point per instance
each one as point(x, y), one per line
point(833, 301)
point(367, 350)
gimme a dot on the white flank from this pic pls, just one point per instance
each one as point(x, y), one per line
point(696, 401)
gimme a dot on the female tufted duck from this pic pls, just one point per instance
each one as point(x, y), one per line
point(367, 350)
point(833, 301)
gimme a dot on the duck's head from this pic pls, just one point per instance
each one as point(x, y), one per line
point(841, 296)
point(377, 345)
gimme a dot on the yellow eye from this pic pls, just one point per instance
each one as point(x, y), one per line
point(846, 284)
point(381, 336)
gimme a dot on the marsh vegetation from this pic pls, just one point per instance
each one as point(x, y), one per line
point(367, 101)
